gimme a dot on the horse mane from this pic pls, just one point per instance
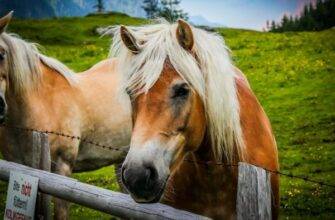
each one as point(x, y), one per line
point(209, 71)
point(23, 68)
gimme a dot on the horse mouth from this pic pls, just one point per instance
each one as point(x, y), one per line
point(153, 198)
point(159, 195)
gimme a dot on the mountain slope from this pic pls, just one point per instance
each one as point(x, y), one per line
point(67, 8)
point(200, 20)
point(131, 7)
point(27, 8)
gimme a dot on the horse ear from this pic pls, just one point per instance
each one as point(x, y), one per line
point(4, 21)
point(129, 40)
point(185, 35)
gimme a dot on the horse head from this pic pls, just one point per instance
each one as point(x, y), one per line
point(169, 121)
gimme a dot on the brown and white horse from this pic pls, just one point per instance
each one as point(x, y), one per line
point(190, 106)
point(41, 93)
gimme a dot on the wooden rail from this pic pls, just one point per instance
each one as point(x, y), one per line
point(253, 191)
point(114, 203)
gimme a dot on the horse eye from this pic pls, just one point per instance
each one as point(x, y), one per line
point(2, 56)
point(128, 92)
point(180, 91)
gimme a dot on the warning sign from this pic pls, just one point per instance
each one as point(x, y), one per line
point(21, 197)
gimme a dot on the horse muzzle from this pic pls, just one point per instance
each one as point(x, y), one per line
point(143, 183)
point(146, 168)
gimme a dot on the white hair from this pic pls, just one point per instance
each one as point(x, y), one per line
point(208, 70)
point(24, 63)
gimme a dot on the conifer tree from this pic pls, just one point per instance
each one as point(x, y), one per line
point(314, 17)
point(273, 26)
point(100, 6)
point(170, 10)
point(151, 8)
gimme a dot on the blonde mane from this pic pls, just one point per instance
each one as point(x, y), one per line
point(211, 74)
point(23, 64)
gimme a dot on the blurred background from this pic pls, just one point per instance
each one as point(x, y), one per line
point(286, 48)
point(262, 15)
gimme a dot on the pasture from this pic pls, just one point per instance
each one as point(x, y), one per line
point(292, 74)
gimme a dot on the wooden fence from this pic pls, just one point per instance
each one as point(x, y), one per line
point(253, 193)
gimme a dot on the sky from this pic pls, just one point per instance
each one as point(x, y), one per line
point(247, 14)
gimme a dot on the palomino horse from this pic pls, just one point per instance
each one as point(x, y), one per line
point(191, 107)
point(41, 93)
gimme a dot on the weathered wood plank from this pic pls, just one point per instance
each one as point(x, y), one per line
point(110, 202)
point(45, 160)
point(253, 193)
point(41, 160)
point(36, 151)
point(45, 164)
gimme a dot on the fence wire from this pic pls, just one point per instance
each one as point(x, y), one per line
point(206, 163)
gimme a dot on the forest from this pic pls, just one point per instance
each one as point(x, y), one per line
point(316, 17)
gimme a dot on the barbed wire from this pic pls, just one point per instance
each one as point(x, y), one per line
point(206, 163)
point(73, 137)
point(305, 178)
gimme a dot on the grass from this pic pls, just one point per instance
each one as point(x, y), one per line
point(292, 74)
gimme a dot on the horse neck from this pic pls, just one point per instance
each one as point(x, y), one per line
point(205, 153)
point(200, 185)
point(18, 107)
point(23, 105)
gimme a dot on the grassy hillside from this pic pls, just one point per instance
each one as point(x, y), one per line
point(293, 75)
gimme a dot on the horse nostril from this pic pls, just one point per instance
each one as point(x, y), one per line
point(140, 180)
point(123, 174)
point(152, 176)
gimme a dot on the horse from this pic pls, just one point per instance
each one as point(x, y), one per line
point(194, 114)
point(39, 92)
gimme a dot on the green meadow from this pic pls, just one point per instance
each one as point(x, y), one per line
point(292, 74)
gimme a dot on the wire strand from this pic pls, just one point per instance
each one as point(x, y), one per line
point(207, 163)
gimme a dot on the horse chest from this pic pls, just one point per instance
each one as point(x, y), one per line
point(207, 191)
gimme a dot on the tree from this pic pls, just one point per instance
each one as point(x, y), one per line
point(290, 24)
point(284, 23)
point(151, 8)
point(315, 17)
point(170, 10)
point(100, 6)
point(268, 25)
point(273, 26)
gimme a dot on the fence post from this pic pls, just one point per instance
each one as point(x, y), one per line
point(253, 193)
point(41, 160)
